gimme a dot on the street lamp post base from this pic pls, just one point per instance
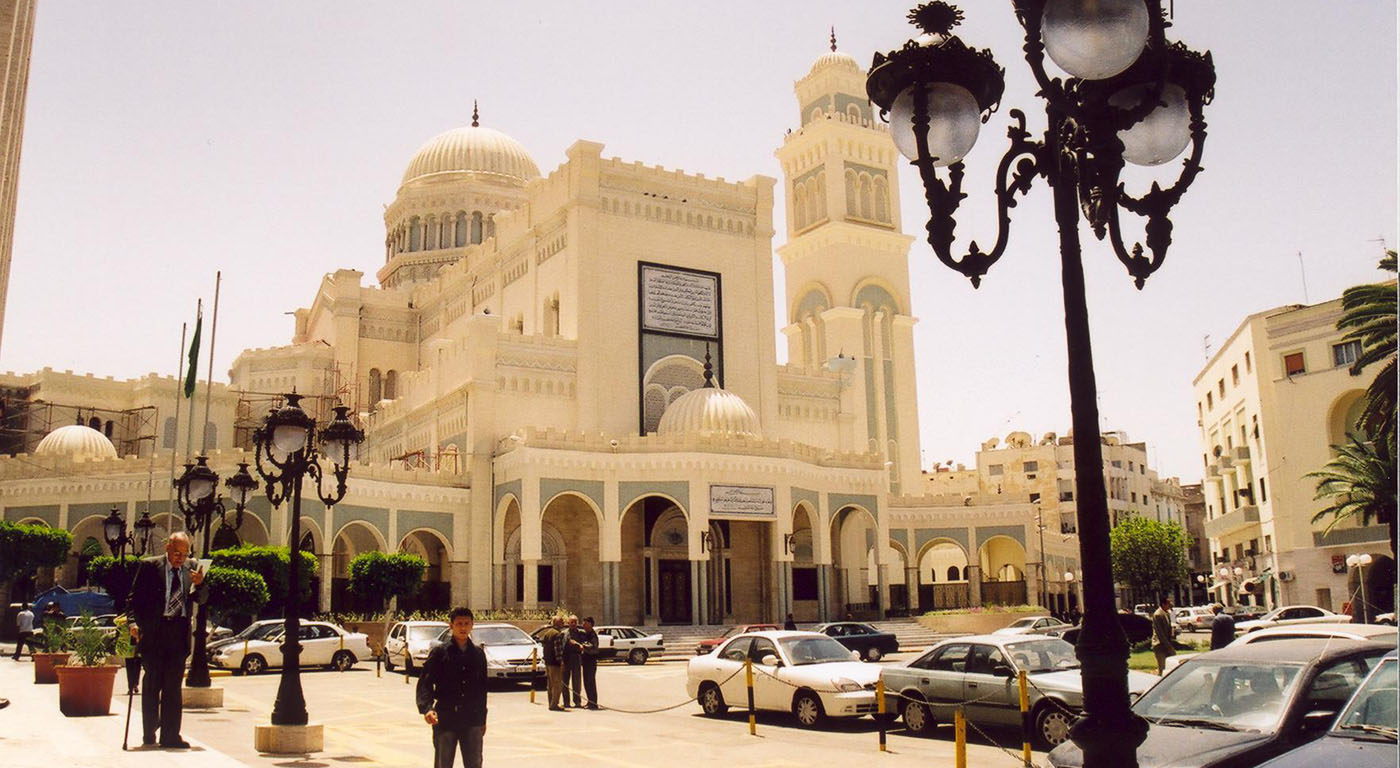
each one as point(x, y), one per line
point(211, 697)
point(289, 739)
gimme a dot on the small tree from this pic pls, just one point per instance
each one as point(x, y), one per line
point(234, 592)
point(271, 563)
point(24, 549)
point(381, 577)
point(1148, 556)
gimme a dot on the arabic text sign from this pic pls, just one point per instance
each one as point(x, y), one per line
point(741, 500)
point(680, 302)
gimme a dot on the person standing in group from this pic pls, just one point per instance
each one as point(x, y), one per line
point(791, 623)
point(451, 694)
point(573, 663)
point(553, 640)
point(160, 607)
point(588, 638)
point(24, 622)
point(1222, 628)
point(1162, 634)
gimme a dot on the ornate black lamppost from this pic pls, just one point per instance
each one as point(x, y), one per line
point(1131, 97)
point(197, 498)
point(286, 450)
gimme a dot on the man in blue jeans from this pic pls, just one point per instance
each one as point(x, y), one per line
point(452, 694)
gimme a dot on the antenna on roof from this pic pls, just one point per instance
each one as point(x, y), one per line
point(1304, 273)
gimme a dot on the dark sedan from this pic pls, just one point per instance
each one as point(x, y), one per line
point(869, 641)
point(1364, 735)
point(1242, 705)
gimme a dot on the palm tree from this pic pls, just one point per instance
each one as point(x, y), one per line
point(1368, 316)
point(1359, 482)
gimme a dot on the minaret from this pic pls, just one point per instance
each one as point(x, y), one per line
point(847, 262)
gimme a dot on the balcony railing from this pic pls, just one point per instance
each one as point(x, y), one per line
point(1232, 522)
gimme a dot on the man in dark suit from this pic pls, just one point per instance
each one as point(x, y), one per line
point(1222, 628)
point(451, 694)
point(163, 593)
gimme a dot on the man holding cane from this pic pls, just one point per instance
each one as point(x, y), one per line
point(161, 601)
point(451, 694)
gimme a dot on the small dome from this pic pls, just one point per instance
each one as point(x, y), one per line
point(77, 441)
point(834, 59)
point(472, 149)
point(709, 411)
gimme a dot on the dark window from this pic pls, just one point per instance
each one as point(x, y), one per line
point(804, 583)
point(1247, 365)
point(1345, 354)
point(1235, 375)
point(952, 573)
point(1263, 494)
point(762, 646)
point(545, 588)
point(646, 579)
point(952, 658)
point(519, 583)
point(1293, 364)
point(983, 659)
point(737, 650)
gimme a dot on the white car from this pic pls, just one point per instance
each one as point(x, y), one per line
point(631, 643)
point(408, 642)
point(1386, 618)
point(1373, 632)
point(805, 673)
point(1031, 625)
point(1196, 618)
point(322, 644)
point(1291, 614)
point(510, 653)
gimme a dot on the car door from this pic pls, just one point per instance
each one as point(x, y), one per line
point(942, 678)
point(990, 698)
point(769, 689)
point(313, 645)
point(623, 640)
point(393, 644)
point(729, 671)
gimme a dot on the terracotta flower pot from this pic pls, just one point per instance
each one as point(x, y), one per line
point(84, 691)
point(44, 664)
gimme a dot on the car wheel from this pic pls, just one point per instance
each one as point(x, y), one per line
point(388, 662)
point(807, 708)
point(711, 700)
point(637, 656)
point(873, 654)
point(253, 664)
point(918, 720)
point(342, 660)
point(1052, 723)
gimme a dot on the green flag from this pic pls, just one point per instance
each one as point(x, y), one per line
point(194, 357)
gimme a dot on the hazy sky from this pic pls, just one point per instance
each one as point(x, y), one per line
point(166, 140)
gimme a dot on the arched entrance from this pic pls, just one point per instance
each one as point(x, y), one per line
point(943, 576)
point(806, 592)
point(355, 538)
point(569, 571)
point(857, 588)
point(436, 592)
point(894, 574)
point(1003, 563)
point(249, 531)
point(655, 575)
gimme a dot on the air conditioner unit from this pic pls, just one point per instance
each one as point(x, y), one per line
point(1285, 576)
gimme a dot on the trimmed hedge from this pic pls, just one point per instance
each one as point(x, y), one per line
point(25, 549)
point(236, 591)
point(381, 576)
point(271, 563)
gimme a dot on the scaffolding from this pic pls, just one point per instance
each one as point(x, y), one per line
point(336, 389)
point(25, 422)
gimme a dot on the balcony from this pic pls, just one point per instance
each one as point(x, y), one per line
point(1241, 455)
point(1237, 520)
point(1213, 471)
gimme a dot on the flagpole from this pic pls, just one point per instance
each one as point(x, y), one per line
point(174, 449)
point(209, 381)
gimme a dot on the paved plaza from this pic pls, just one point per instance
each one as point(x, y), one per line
point(371, 720)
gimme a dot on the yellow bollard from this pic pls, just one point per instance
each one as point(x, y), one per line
point(534, 671)
point(1025, 718)
point(748, 679)
point(959, 739)
point(880, 709)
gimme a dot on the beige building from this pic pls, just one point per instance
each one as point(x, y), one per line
point(16, 40)
point(571, 395)
point(1270, 402)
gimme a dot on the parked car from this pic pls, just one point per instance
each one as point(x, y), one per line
point(1197, 618)
point(979, 673)
point(706, 646)
point(1242, 705)
point(1374, 632)
point(258, 630)
point(805, 673)
point(107, 623)
point(630, 643)
point(322, 644)
point(408, 642)
point(1364, 734)
point(1386, 618)
point(1137, 627)
point(508, 651)
point(871, 643)
point(1291, 614)
point(1033, 625)
point(1245, 612)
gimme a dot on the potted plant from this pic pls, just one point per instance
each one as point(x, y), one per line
point(54, 642)
point(85, 684)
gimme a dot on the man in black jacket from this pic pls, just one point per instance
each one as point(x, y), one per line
point(452, 694)
point(1222, 628)
point(588, 638)
point(162, 595)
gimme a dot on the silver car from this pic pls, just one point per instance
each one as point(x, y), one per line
point(979, 673)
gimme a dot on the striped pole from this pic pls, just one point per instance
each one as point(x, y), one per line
point(1025, 717)
point(748, 680)
point(959, 739)
point(534, 671)
point(880, 709)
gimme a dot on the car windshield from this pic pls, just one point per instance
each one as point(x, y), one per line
point(820, 649)
point(258, 631)
point(500, 636)
point(1271, 615)
point(1222, 695)
point(1373, 709)
point(1022, 623)
point(1042, 655)
point(424, 632)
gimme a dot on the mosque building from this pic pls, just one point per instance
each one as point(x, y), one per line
point(571, 396)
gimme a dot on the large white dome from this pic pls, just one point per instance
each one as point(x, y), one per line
point(77, 441)
point(472, 149)
point(709, 411)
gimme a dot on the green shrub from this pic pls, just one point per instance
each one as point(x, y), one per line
point(89, 643)
point(271, 563)
point(987, 609)
point(234, 591)
point(381, 577)
point(55, 637)
point(26, 548)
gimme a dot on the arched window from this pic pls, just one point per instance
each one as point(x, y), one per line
point(882, 199)
point(865, 193)
point(491, 226)
point(852, 204)
point(853, 113)
point(107, 429)
point(476, 227)
point(953, 573)
point(799, 206)
point(430, 234)
point(415, 234)
point(819, 196)
point(95, 423)
point(817, 113)
point(391, 385)
point(376, 388)
point(460, 238)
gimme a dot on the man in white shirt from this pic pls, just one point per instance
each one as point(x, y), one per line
point(25, 622)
